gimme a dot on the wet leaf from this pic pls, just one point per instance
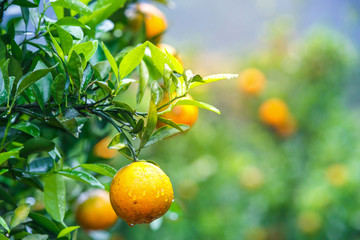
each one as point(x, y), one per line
point(82, 177)
point(165, 132)
point(67, 230)
point(28, 128)
point(100, 168)
point(55, 197)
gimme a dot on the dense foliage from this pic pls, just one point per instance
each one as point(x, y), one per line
point(61, 89)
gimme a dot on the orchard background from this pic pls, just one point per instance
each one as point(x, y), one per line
point(280, 162)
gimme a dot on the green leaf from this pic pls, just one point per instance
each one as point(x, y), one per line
point(104, 86)
point(4, 225)
point(197, 104)
point(160, 58)
point(57, 88)
point(111, 60)
point(75, 31)
point(41, 165)
point(29, 79)
point(177, 66)
point(38, 97)
point(57, 46)
point(118, 142)
point(35, 145)
point(150, 124)
point(123, 106)
point(81, 177)
point(170, 123)
point(165, 132)
point(66, 39)
point(66, 231)
point(36, 237)
point(20, 214)
point(2, 171)
point(6, 155)
point(103, 68)
point(16, 51)
point(139, 126)
point(100, 168)
point(70, 21)
point(24, 3)
point(2, 237)
point(143, 80)
point(212, 78)
point(74, 5)
point(44, 222)
point(74, 68)
point(4, 195)
point(132, 60)
point(87, 48)
point(55, 197)
point(5, 77)
point(156, 92)
point(28, 128)
point(112, 7)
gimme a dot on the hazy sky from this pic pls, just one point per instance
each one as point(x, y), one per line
point(230, 26)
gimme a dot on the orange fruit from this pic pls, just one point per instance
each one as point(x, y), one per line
point(180, 114)
point(274, 112)
point(154, 20)
point(170, 49)
point(101, 149)
point(140, 193)
point(94, 211)
point(252, 81)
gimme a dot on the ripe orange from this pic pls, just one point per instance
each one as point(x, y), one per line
point(252, 81)
point(140, 193)
point(180, 114)
point(274, 112)
point(94, 211)
point(101, 149)
point(154, 20)
point(170, 49)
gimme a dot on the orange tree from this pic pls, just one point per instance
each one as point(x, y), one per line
point(61, 91)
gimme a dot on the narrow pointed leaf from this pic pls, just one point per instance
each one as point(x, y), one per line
point(66, 231)
point(165, 132)
point(143, 80)
point(81, 177)
point(132, 60)
point(150, 124)
point(197, 104)
point(55, 197)
point(100, 168)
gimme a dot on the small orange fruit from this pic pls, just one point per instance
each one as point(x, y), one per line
point(170, 49)
point(154, 20)
point(140, 193)
point(252, 81)
point(180, 114)
point(101, 149)
point(274, 112)
point(94, 211)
